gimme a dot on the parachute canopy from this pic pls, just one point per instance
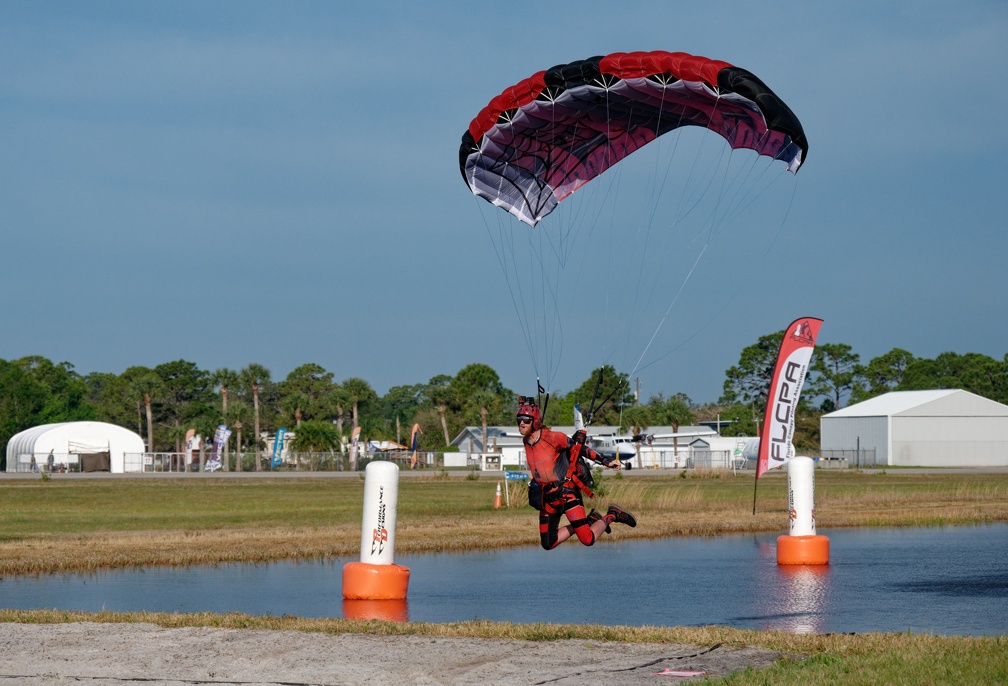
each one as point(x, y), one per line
point(545, 137)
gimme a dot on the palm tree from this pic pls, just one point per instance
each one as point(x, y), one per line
point(238, 451)
point(295, 404)
point(357, 391)
point(486, 402)
point(146, 386)
point(336, 400)
point(255, 375)
point(238, 411)
point(225, 378)
point(440, 396)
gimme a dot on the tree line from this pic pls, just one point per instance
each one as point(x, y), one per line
point(162, 403)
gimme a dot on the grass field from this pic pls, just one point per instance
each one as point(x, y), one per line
point(87, 524)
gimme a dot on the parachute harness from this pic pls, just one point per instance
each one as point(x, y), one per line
point(579, 438)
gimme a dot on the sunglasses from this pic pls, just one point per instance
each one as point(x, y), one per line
point(524, 420)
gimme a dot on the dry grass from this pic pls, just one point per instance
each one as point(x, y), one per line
point(845, 644)
point(84, 525)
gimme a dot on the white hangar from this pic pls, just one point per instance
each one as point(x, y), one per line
point(76, 446)
point(944, 428)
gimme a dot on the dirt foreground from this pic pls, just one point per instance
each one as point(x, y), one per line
point(107, 654)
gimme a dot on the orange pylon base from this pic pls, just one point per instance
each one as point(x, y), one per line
point(802, 550)
point(384, 610)
point(363, 581)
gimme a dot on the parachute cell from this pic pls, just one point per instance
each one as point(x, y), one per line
point(548, 135)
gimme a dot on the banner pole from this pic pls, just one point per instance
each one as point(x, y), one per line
point(793, 358)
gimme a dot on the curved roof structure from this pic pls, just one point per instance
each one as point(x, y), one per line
point(69, 440)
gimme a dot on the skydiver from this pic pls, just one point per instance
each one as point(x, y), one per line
point(555, 489)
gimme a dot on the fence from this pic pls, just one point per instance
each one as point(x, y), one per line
point(647, 458)
point(61, 462)
point(293, 462)
point(857, 458)
point(652, 457)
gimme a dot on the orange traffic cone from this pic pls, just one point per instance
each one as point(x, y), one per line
point(497, 498)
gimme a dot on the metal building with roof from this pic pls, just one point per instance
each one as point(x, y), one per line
point(77, 446)
point(943, 428)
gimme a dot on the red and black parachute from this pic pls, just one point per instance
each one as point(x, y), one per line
point(545, 137)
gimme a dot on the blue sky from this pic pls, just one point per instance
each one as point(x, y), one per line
point(236, 182)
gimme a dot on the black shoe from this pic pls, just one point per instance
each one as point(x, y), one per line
point(594, 516)
point(621, 516)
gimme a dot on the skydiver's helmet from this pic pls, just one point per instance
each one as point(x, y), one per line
point(527, 407)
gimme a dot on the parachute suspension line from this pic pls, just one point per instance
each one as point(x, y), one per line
point(553, 252)
point(596, 407)
point(609, 271)
point(745, 186)
point(533, 314)
point(720, 311)
point(667, 311)
point(750, 184)
point(591, 407)
point(512, 283)
point(657, 187)
point(767, 180)
point(526, 304)
point(710, 232)
point(552, 325)
point(610, 345)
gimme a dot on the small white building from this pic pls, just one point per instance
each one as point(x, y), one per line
point(504, 447)
point(943, 428)
point(76, 446)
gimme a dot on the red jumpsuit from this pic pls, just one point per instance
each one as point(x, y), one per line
point(548, 460)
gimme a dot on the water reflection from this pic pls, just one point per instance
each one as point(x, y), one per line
point(951, 580)
point(800, 602)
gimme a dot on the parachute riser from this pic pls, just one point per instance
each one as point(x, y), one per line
point(591, 408)
point(542, 398)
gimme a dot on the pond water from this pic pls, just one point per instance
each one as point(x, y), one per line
point(949, 580)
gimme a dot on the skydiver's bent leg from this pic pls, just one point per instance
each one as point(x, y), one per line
point(549, 524)
point(587, 528)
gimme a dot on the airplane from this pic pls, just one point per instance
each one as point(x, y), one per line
point(609, 446)
point(621, 447)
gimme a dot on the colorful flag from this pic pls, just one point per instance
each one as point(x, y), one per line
point(278, 442)
point(789, 375)
point(191, 446)
point(221, 436)
point(415, 445)
point(354, 438)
